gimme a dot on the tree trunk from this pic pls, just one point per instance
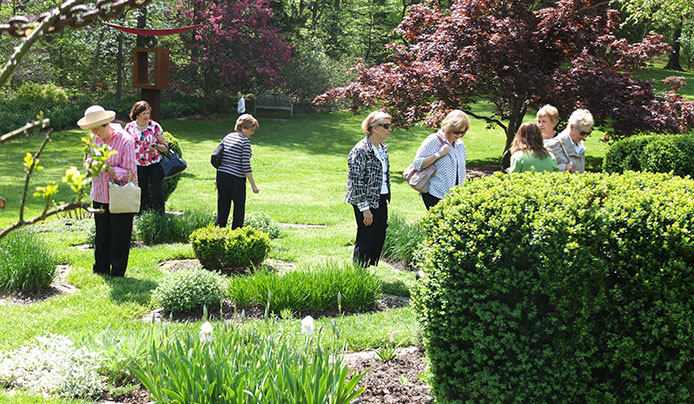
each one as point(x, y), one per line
point(119, 68)
point(97, 56)
point(141, 23)
point(516, 119)
point(673, 62)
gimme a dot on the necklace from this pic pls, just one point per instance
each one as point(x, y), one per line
point(141, 128)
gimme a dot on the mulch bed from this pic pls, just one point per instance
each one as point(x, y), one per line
point(59, 286)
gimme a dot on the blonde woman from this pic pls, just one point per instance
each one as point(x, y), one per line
point(547, 119)
point(233, 172)
point(446, 151)
point(368, 187)
point(528, 152)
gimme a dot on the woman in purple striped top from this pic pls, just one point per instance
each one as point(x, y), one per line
point(113, 231)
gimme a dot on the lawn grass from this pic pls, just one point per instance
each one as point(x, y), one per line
point(300, 167)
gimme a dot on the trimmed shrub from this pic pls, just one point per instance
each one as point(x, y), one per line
point(189, 290)
point(403, 239)
point(655, 153)
point(224, 248)
point(264, 223)
point(30, 91)
point(153, 228)
point(26, 262)
point(313, 288)
point(547, 288)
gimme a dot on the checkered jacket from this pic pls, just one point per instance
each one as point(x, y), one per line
point(365, 175)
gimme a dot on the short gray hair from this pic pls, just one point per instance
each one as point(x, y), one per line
point(549, 111)
point(582, 120)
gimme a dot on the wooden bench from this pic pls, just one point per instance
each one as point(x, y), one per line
point(274, 101)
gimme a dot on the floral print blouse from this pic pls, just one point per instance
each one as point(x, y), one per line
point(144, 140)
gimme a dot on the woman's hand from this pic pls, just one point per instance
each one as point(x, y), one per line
point(444, 150)
point(255, 189)
point(112, 172)
point(368, 217)
point(570, 166)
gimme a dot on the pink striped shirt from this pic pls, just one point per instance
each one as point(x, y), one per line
point(123, 162)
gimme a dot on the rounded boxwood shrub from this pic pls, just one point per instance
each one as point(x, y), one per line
point(655, 153)
point(224, 248)
point(26, 262)
point(189, 290)
point(264, 223)
point(553, 288)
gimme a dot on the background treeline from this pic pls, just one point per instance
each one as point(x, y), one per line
point(297, 47)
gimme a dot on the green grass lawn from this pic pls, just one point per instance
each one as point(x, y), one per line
point(300, 167)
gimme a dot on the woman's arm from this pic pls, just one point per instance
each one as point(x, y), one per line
point(356, 163)
point(426, 154)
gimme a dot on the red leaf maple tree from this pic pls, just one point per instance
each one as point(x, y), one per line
point(516, 57)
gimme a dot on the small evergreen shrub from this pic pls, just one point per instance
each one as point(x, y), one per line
point(313, 288)
point(189, 290)
point(30, 91)
point(53, 365)
point(169, 184)
point(655, 153)
point(26, 262)
point(153, 228)
point(557, 288)
point(264, 223)
point(403, 239)
point(224, 248)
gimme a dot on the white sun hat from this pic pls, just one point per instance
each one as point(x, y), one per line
point(95, 116)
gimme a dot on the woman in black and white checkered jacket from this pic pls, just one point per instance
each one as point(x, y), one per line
point(368, 188)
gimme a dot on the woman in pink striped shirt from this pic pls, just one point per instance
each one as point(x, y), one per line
point(113, 231)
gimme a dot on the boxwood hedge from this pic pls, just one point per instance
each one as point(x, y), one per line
point(552, 288)
point(655, 153)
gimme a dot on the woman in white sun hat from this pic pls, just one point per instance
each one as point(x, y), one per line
point(113, 231)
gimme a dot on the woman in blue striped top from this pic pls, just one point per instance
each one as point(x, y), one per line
point(233, 172)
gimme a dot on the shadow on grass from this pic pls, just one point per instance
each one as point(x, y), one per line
point(131, 290)
point(396, 288)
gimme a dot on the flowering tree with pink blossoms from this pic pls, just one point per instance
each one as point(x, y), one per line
point(236, 46)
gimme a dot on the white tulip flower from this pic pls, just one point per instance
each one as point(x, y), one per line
point(206, 331)
point(307, 325)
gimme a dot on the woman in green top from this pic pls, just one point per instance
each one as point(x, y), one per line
point(528, 152)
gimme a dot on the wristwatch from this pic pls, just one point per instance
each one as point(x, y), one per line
point(437, 155)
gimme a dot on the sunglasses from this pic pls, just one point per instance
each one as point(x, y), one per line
point(384, 125)
point(584, 134)
point(459, 132)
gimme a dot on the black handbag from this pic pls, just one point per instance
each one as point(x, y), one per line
point(171, 164)
point(217, 154)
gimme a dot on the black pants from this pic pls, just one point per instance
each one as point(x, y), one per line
point(151, 175)
point(112, 241)
point(429, 200)
point(370, 239)
point(230, 188)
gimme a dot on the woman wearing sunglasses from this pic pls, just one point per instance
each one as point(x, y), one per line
point(368, 188)
point(568, 147)
point(446, 151)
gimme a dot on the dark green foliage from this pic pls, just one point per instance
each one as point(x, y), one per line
point(402, 239)
point(310, 289)
point(153, 228)
point(553, 288)
point(189, 290)
point(264, 223)
point(655, 153)
point(26, 263)
point(224, 248)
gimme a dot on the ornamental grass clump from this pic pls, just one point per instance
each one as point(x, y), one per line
point(549, 288)
point(53, 365)
point(312, 288)
point(224, 248)
point(26, 262)
point(403, 239)
point(189, 290)
point(232, 365)
point(153, 228)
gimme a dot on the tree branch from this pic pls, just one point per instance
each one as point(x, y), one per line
point(46, 213)
point(25, 130)
point(31, 171)
point(486, 118)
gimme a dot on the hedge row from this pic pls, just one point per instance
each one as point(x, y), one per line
point(548, 288)
point(655, 153)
